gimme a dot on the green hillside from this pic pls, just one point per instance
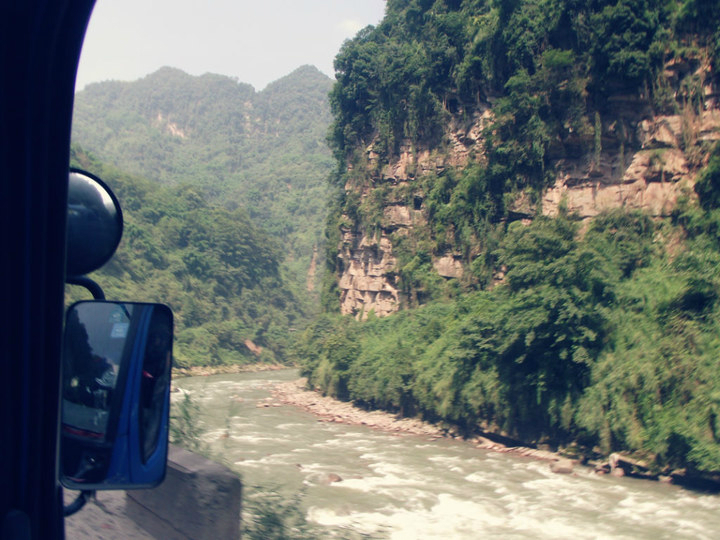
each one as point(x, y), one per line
point(217, 270)
point(262, 151)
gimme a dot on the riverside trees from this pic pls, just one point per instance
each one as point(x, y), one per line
point(604, 340)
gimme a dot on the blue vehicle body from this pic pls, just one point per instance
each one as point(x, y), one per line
point(114, 426)
point(128, 466)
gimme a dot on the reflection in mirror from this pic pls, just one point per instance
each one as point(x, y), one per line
point(94, 346)
point(115, 394)
point(154, 379)
point(95, 223)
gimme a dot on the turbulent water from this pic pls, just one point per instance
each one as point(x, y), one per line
point(410, 487)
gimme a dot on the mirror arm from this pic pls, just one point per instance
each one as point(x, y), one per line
point(89, 284)
point(78, 503)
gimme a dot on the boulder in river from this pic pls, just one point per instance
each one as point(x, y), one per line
point(562, 466)
point(621, 465)
point(332, 478)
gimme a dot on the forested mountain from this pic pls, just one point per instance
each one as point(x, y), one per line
point(217, 270)
point(528, 191)
point(261, 151)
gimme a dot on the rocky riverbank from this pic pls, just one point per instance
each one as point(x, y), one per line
point(329, 409)
point(204, 371)
point(567, 461)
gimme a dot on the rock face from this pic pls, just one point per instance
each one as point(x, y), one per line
point(650, 178)
point(367, 282)
point(645, 162)
point(367, 264)
point(448, 266)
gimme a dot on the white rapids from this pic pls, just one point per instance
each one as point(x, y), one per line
point(411, 487)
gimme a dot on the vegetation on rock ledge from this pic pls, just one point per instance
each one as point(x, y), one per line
point(604, 339)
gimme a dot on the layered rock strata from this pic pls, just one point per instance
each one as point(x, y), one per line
point(647, 162)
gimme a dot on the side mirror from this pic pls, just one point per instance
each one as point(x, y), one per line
point(95, 223)
point(115, 395)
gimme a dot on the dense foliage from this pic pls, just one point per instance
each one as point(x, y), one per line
point(428, 59)
point(262, 151)
point(603, 339)
point(549, 70)
point(212, 265)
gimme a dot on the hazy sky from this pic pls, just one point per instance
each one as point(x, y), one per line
point(255, 41)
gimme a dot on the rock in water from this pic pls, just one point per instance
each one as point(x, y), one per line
point(562, 466)
point(332, 477)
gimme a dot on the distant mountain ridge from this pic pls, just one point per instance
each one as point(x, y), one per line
point(264, 151)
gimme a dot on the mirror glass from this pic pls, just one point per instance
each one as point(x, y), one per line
point(95, 223)
point(115, 394)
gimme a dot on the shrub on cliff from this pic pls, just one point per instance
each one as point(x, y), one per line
point(708, 183)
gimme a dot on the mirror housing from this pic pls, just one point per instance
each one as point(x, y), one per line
point(115, 410)
point(95, 223)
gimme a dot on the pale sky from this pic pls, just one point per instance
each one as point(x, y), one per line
point(256, 42)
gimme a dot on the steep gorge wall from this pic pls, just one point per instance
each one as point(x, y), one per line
point(641, 160)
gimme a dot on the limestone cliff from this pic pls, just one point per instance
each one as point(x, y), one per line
point(640, 160)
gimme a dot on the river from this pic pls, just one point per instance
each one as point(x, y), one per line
point(412, 487)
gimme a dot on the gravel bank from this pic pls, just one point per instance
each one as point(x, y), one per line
point(331, 410)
